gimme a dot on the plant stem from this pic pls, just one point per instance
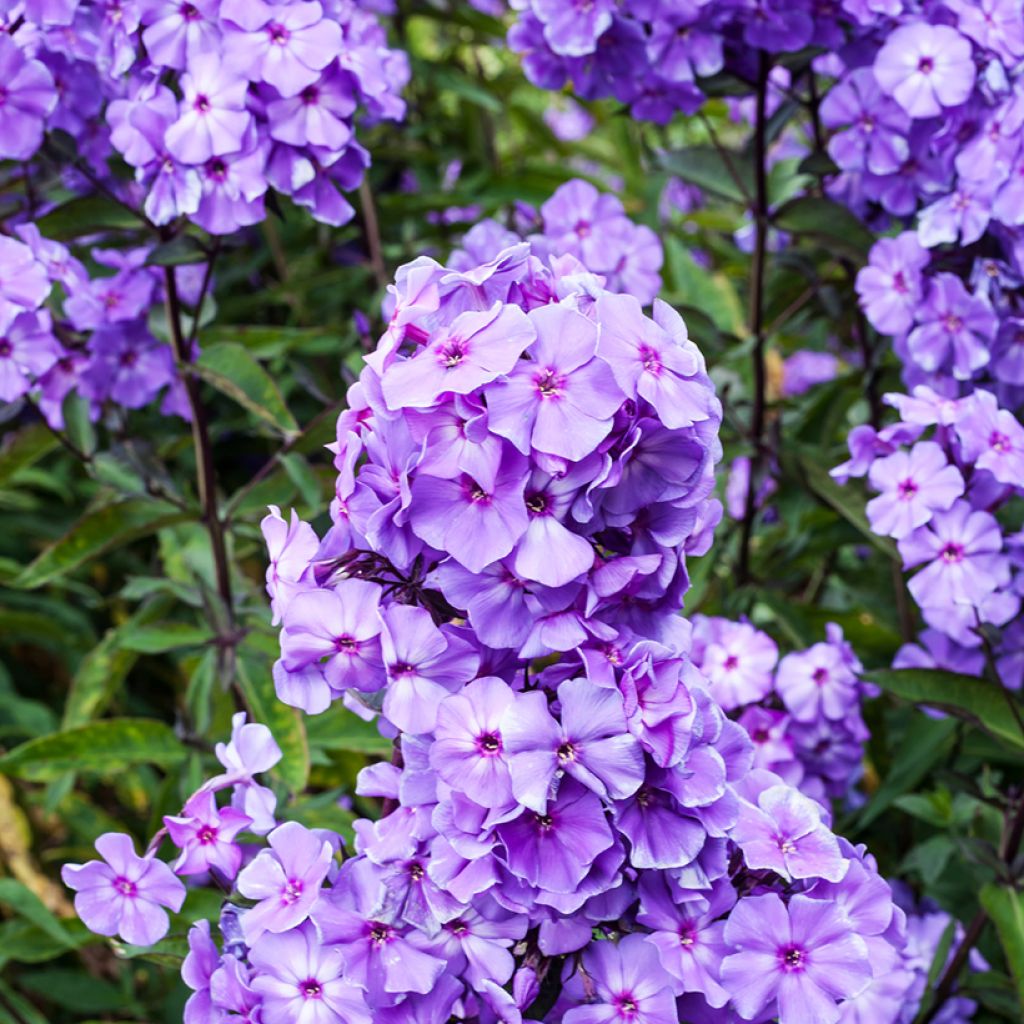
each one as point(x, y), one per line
point(206, 478)
point(756, 314)
point(371, 227)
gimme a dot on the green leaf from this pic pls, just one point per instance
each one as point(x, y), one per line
point(106, 747)
point(232, 370)
point(96, 532)
point(86, 216)
point(925, 743)
point(1005, 907)
point(163, 636)
point(105, 668)
point(707, 168)
point(24, 448)
point(827, 221)
point(976, 700)
point(178, 251)
point(75, 990)
point(340, 729)
point(77, 424)
point(285, 723)
point(28, 905)
point(847, 503)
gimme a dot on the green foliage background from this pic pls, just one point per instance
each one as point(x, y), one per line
point(115, 677)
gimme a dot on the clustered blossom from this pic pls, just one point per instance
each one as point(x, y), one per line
point(64, 331)
point(213, 103)
point(802, 713)
point(580, 221)
point(572, 828)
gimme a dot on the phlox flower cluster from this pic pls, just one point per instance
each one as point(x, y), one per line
point(63, 330)
point(213, 103)
point(802, 713)
point(580, 221)
point(572, 829)
point(941, 473)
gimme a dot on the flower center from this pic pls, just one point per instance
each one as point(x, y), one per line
point(278, 33)
point(125, 886)
point(416, 871)
point(952, 553)
point(128, 359)
point(380, 934)
point(544, 822)
point(6, 348)
point(582, 228)
point(292, 891)
point(489, 744)
point(311, 989)
point(794, 959)
point(926, 65)
point(759, 735)
point(346, 645)
point(549, 384)
point(206, 835)
point(786, 845)
point(999, 442)
point(820, 676)
point(189, 12)
point(687, 937)
point(452, 353)
point(537, 504)
point(906, 489)
point(650, 359)
point(202, 104)
point(566, 753)
point(310, 95)
point(899, 282)
point(625, 1004)
point(952, 323)
point(731, 663)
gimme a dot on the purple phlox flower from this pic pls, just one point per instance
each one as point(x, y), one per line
point(300, 981)
point(555, 849)
point(477, 942)
point(659, 834)
point(468, 751)
point(1008, 362)
point(285, 879)
point(291, 547)
point(626, 984)
point(993, 24)
point(231, 990)
point(177, 33)
point(573, 29)
point(434, 1007)
point(27, 99)
point(562, 400)
point(28, 350)
point(575, 219)
point(805, 369)
point(568, 120)
point(925, 68)
point(963, 214)
point(648, 361)
point(476, 349)
point(424, 665)
point(737, 659)
point(319, 115)
point(773, 747)
point(962, 548)
point(816, 682)
point(550, 553)
point(384, 959)
point(200, 963)
point(55, 257)
point(937, 650)
point(476, 520)
point(206, 837)
point(775, 25)
point(339, 630)
point(861, 894)
point(925, 407)
point(638, 258)
point(875, 136)
point(129, 366)
point(124, 894)
point(251, 751)
point(681, 48)
point(501, 609)
point(688, 936)
point(24, 282)
point(590, 743)
point(953, 326)
point(992, 438)
point(989, 155)
point(802, 956)
point(784, 832)
point(233, 186)
point(913, 485)
point(890, 287)
point(287, 45)
point(125, 296)
point(212, 118)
